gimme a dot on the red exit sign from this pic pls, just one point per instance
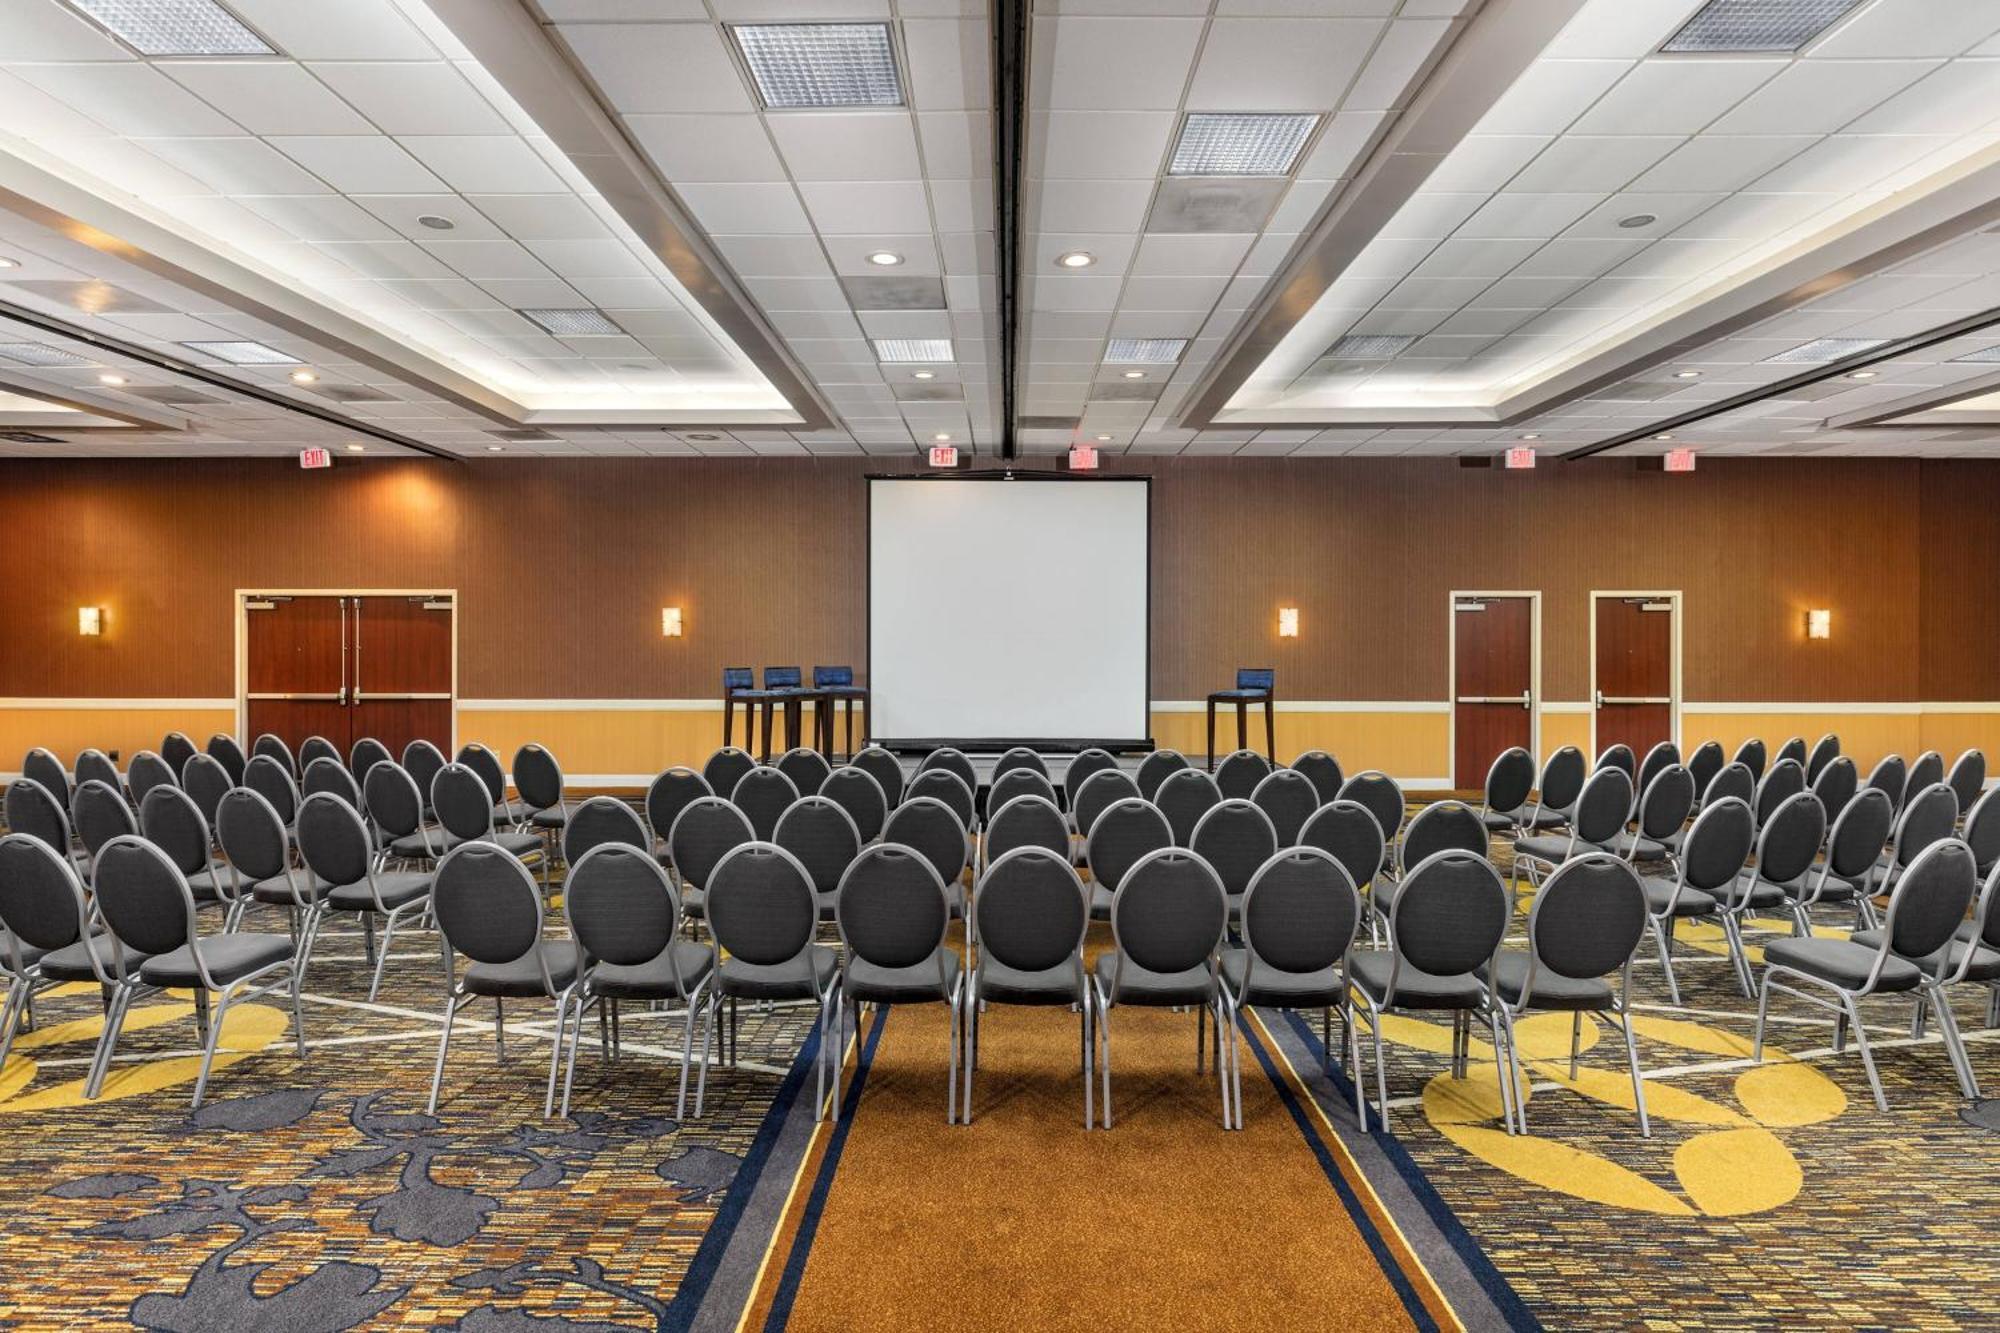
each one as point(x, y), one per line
point(944, 455)
point(1520, 457)
point(1680, 460)
point(1083, 458)
point(310, 458)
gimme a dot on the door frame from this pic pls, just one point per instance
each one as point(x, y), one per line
point(1534, 670)
point(1673, 598)
point(241, 606)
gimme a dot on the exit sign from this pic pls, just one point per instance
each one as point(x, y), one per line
point(1083, 458)
point(310, 458)
point(1520, 457)
point(944, 455)
point(1680, 460)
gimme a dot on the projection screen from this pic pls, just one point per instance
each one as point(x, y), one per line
point(1009, 611)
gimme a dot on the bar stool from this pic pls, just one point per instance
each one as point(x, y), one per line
point(1252, 684)
point(737, 683)
point(783, 685)
point(838, 691)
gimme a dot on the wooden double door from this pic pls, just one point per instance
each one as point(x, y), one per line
point(345, 666)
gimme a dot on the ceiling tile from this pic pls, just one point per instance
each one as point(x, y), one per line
point(1675, 95)
point(405, 98)
point(268, 97)
point(858, 208)
point(1102, 145)
point(707, 148)
point(660, 66)
point(350, 30)
point(485, 164)
point(848, 145)
point(360, 164)
point(749, 208)
point(1119, 64)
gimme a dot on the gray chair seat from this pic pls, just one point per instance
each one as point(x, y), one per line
point(1691, 902)
point(1501, 819)
point(551, 818)
point(694, 902)
point(1842, 962)
point(1836, 889)
point(278, 891)
point(398, 889)
point(871, 983)
point(1061, 984)
point(228, 958)
point(805, 977)
point(213, 884)
point(523, 976)
point(1138, 985)
point(654, 978)
point(424, 843)
point(1763, 893)
point(1648, 849)
point(1985, 962)
point(30, 955)
point(1369, 969)
point(72, 961)
point(1552, 989)
point(1300, 990)
point(522, 845)
point(1544, 847)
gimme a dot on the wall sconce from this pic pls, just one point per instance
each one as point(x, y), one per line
point(1288, 622)
point(1819, 623)
point(90, 620)
point(670, 621)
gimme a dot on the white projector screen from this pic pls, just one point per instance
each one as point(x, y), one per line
point(1009, 612)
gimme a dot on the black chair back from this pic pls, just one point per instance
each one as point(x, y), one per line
point(1235, 838)
point(392, 800)
point(171, 821)
point(886, 769)
point(1324, 772)
point(1824, 751)
point(367, 753)
point(538, 777)
point(223, 748)
point(177, 747)
point(1449, 917)
point(1348, 832)
point(486, 903)
point(463, 802)
point(1587, 919)
point(1026, 821)
point(1122, 835)
point(1384, 799)
point(270, 779)
point(1510, 781)
point(599, 822)
point(32, 809)
point(622, 908)
point(270, 745)
point(1032, 910)
point(806, 767)
point(1155, 767)
point(101, 815)
point(822, 835)
point(147, 771)
point(725, 768)
point(932, 828)
point(1751, 754)
point(707, 829)
point(1099, 792)
point(762, 795)
point(1300, 913)
point(673, 791)
point(1239, 773)
point(1289, 799)
point(1184, 798)
point(944, 784)
point(893, 910)
point(1441, 826)
point(856, 791)
point(1836, 784)
point(1080, 768)
point(760, 904)
point(1169, 914)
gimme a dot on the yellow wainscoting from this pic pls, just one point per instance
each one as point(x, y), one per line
point(622, 741)
point(126, 730)
point(1864, 737)
point(1405, 744)
point(1950, 734)
point(1560, 729)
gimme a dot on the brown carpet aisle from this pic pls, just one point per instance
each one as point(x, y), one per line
point(1024, 1220)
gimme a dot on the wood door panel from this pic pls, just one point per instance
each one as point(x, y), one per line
point(1635, 660)
point(295, 719)
point(294, 646)
point(1641, 726)
point(401, 648)
point(397, 722)
point(1493, 659)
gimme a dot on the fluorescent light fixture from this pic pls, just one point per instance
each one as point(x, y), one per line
point(174, 27)
point(1985, 355)
point(1150, 351)
point(912, 349)
point(41, 354)
point(1240, 145)
point(1757, 25)
point(243, 353)
point(821, 64)
point(1369, 346)
point(112, 380)
point(1828, 349)
point(574, 323)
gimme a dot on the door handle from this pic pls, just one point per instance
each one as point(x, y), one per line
point(1521, 698)
point(341, 698)
point(1528, 700)
point(354, 694)
point(1638, 699)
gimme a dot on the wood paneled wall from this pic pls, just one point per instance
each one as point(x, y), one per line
point(562, 567)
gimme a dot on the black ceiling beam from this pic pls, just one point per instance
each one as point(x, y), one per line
point(1010, 91)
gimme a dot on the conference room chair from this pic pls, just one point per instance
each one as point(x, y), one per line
point(1440, 826)
point(1788, 842)
point(328, 774)
point(944, 784)
point(625, 917)
point(335, 846)
point(1324, 772)
point(490, 910)
point(148, 907)
point(1709, 869)
point(1127, 832)
point(725, 768)
point(365, 754)
point(1619, 756)
point(177, 747)
point(1445, 925)
point(146, 771)
point(1506, 801)
point(739, 685)
point(1660, 820)
point(464, 804)
point(31, 808)
point(272, 746)
point(1751, 754)
point(933, 829)
point(858, 793)
point(1347, 831)
point(1086, 763)
point(1824, 751)
point(102, 814)
point(1658, 759)
point(269, 778)
point(1289, 799)
point(1931, 815)
point(171, 821)
point(396, 808)
point(762, 795)
point(1836, 784)
point(1795, 750)
point(224, 749)
point(1299, 919)
point(1702, 765)
point(1732, 780)
point(1925, 770)
point(1253, 685)
point(314, 748)
point(1982, 832)
point(1584, 926)
point(762, 919)
point(1848, 865)
point(42, 766)
point(707, 829)
point(602, 820)
point(1019, 757)
point(1017, 782)
point(1155, 767)
point(1099, 792)
point(538, 780)
point(1563, 775)
point(206, 780)
point(1168, 919)
point(835, 689)
point(894, 914)
point(1384, 799)
point(1926, 908)
point(258, 845)
point(1032, 912)
point(953, 761)
point(1967, 778)
point(670, 792)
point(1782, 781)
point(423, 761)
point(93, 765)
point(1184, 798)
point(481, 760)
point(1025, 821)
point(823, 838)
point(1971, 957)
point(1239, 773)
point(1236, 838)
point(885, 768)
point(1600, 815)
point(1891, 774)
point(806, 767)
point(49, 938)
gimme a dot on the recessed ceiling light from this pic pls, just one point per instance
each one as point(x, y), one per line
point(113, 380)
point(1075, 259)
point(1663, 437)
point(574, 323)
point(41, 354)
point(821, 64)
point(941, 438)
point(1757, 25)
point(1687, 374)
point(912, 349)
point(705, 437)
point(1149, 351)
point(1636, 220)
point(304, 377)
point(1135, 374)
point(1104, 439)
point(1240, 145)
point(1531, 436)
point(9, 263)
point(243, 353)
point(923, 374)
point(1828, 349)
point(495, 448)
point(435, 222)
point(1864, 374)
point(885, 258)
point(1369, 346)
point(174, 27)
point(356, 448)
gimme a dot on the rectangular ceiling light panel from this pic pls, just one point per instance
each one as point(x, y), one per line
point(1369, 346)
point(1828, 349)
point(574, 323)
point(912, 349)
point(1144, 351)
point(1240, 145)
point(1983, 355)
point(1757, 25)
point(165, 28)
point(40, 354)
point(818, 65)
point(243, 353)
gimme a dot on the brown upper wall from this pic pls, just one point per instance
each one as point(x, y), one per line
point(562, 567)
